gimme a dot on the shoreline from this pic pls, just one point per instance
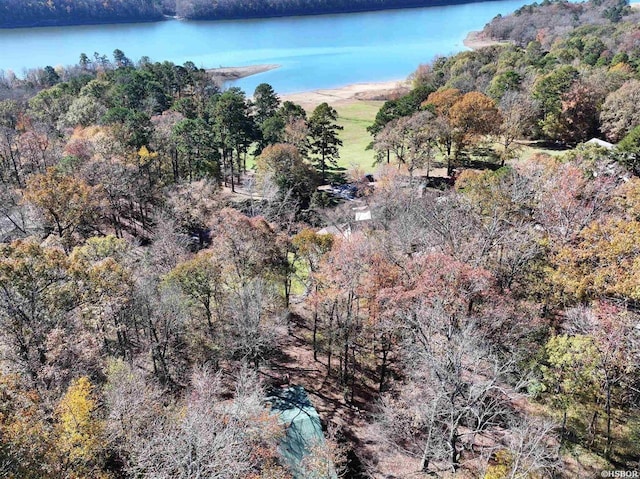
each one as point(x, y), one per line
point(474, 41)
point(366, 91)
point(236, 73)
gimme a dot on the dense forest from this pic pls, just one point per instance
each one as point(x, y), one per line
point(233, 9)
point(18, 13)
point(167, 260)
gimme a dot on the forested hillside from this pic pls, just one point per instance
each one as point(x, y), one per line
point(167, 260)
point(18, 13)
point(231, 9)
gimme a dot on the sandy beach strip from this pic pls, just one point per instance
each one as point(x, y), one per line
point(235, 73)
point(369, 91)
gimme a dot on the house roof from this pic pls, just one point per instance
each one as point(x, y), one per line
point(599, 142)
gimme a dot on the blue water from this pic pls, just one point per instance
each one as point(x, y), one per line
point(314, 52)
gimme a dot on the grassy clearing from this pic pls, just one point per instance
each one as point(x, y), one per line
point(355, 117)
point(525, 152)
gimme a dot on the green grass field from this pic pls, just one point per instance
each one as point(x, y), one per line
point(526, 152)
point(355, 117)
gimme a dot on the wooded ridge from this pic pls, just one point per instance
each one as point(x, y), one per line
point(17, 13)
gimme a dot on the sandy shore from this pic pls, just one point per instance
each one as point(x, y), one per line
point(235, 73)
point(370, 91)
point(358, 91)
point(475, 40)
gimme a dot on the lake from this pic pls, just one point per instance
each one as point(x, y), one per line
point(314, 52)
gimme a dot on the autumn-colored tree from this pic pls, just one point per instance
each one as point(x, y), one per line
point(101, 268)
point(338, 297)
point(571, 373)
point(603, 262)
point(38, 150)
point(200, 279)
point(620, 112)
point(79, 433)
point(475, 114)
point(36, 293)
point(463, 118)
point(27, 442)
point(580, 106)
point(411, 140)
point(68, 204)
point(283, 164)
point(569, 199)
point(442, 101)
point(247, 248)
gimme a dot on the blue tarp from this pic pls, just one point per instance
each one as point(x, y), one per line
point(303, 429)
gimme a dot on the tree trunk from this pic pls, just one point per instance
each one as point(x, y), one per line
point(354, 366)
point(607, 450)
point(453, 443)
point(330, 346)
point(593, 427)
point(315, 329)
point(233, 185)
point(287, 289)
point(383, 367)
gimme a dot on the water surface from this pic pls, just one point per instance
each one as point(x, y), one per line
point(315, 52)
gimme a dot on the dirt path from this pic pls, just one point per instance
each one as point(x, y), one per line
point(295, 363)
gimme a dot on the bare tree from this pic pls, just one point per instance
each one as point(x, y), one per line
point(255, 322)
point(518, 114)
point(529, 448)
point(204, 436)
point(456, 391)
